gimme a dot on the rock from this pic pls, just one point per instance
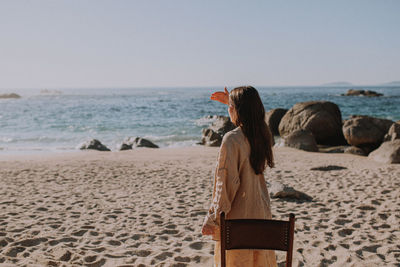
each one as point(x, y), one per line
point(388, 152)
point(332, 149)
point(352, 92)
point(301, 139)
point(393, 133)
point(132, 142)
point(279, 190)
point(273, 118)
point(356, 151)
point(222, 125)
point(212, 136)
point(322, 118)
point(12, 95)
point(95, 145)
point(365, 132)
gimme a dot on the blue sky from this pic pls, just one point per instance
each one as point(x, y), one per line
point(95, 43)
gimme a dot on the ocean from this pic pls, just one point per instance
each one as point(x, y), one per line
point(60, 120)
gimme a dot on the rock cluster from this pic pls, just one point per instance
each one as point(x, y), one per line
point(129, 143)
point(12, 95)
point(365, 132)
point(352, 92)
point(132, 142)
point(317, 126)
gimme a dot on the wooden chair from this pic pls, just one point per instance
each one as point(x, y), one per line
point(257, 234)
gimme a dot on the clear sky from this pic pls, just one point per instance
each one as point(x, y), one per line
point(95, 43)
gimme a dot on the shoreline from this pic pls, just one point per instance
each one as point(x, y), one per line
point(146, 206)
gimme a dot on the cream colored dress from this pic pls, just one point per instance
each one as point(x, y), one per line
point(241, 194)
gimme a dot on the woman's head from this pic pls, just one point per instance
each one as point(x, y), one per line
point(247, 111)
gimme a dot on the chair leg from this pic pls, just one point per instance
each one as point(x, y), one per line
point(289, 254)
point(222, 239)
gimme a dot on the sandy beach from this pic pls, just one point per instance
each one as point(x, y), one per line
point(145, 207)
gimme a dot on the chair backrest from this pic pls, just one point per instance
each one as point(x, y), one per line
point(257, 234)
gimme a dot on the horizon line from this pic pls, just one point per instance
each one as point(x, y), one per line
point(195, 86)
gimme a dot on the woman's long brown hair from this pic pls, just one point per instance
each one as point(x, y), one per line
point(251, 118)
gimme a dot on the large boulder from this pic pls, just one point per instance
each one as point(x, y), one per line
point(279, 190)
point(212, 136)
point(393, 133)
point(132, 142)
point(301, 139)
point(12, 95)
point(273, 118)
point(322, 118)
point(352, 92)
point(95, 145)
point(365, 132)
point(388, 152)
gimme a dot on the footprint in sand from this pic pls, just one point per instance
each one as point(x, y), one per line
point(79, 233)
point(196, 245)
point(136, 236)
point(366, 207)
point(13, 252)
point(170, 226)
point(142, 253)
point(30, 242)
point(98, 263)
point(164, 256)
point(345, 232)
point(114, 242)
point(93, 233)
point(188, 238)
point(342, 221)
point(90, 258)
point(182, 259)
point(170, 232)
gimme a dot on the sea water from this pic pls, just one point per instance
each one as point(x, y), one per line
point(61, 119)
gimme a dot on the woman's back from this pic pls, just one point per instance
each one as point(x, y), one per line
point(251, 199)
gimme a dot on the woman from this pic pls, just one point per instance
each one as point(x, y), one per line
point(239, 186)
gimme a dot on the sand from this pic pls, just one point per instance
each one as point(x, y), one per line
point(145, 207)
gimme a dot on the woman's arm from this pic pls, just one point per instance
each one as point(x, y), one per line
point(222, 97)
point(226, 185)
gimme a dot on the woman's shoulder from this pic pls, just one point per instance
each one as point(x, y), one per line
point(235, 136)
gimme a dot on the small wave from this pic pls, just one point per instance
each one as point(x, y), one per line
point(187, 143)
point(6, 139)
point(41, 139)
point(206, 121)
point(50, 92)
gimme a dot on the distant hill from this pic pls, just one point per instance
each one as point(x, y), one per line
point(338, 84)
point(394, 83)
